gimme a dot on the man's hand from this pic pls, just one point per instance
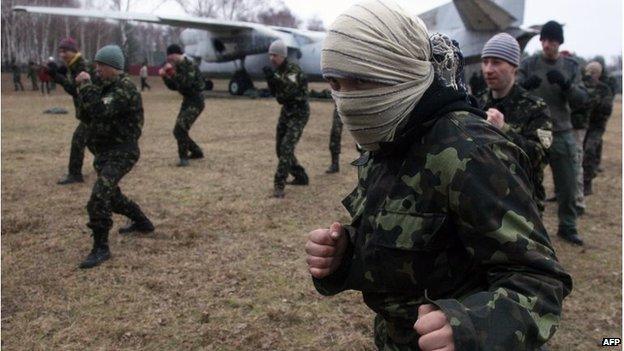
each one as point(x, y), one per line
point(161, 72)
point(533, 82)
point(83, 77)
point(434, 329)
point(268, 72)
point(495, 117)
point(325, 249)
point(556, 77)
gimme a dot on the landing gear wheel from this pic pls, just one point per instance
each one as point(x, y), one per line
point(240, 83)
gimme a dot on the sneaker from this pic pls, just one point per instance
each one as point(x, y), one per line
point(573, 238)
point(183, 162)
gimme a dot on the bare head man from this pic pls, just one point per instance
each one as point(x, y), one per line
point(277, 53)
point(551, 37)
point(68, 48)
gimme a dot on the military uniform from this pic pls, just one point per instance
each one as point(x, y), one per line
point(112, 114)
point(528, 125)
point(599, 109)
point(290, 87)
point(559, 87)
point(335, 136)
point(445, 215)
point(67, 80)
point(32, 74)
point(188, 81)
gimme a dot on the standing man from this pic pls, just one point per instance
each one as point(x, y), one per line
point(290, 87)
point(17, 75)
point(335, 136)
point(180, 73)
point(143, 74)
point(75, 63)
point(599, 110)
point(32, 74)
point(523, 117)
point(113, 118)
point(445, 243)
point(556, 79)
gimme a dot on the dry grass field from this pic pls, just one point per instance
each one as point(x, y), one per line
point(225, 269)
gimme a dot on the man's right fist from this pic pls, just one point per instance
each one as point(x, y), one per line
point(325, 249)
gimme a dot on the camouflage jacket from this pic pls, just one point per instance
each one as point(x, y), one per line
point(187, 79)
point(527, 121)
point(450, 220)
point(66, 78)
point(113, 113)
point(289, 84)
point(600, 103)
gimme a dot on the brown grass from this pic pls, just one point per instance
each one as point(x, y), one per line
point(225, 269)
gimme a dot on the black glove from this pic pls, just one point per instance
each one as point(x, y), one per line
point(52, 68)
point(555, 77)
point(587, 78)
point(268, 72)
point(533, 82)
point(62, 70)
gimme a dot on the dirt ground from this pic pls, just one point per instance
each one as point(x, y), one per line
point(225, 269)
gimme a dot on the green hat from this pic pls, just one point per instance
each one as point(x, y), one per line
point(111, 55)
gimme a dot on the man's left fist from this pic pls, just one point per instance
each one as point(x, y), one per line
point(83, 77)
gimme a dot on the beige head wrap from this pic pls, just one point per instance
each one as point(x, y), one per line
point(377, 41)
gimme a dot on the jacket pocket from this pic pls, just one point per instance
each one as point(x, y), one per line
point(409, 231)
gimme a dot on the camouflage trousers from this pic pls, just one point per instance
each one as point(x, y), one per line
point(290, 126)
point(76, 152)
point(593, 150)
point(17, 83)
point(579, 135)
point(106, 197)
point(190, 110)
point(336, 134)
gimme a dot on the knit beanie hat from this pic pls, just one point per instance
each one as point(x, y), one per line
point(110, 55)
point(278, 48)
point(504, 47)
point(174, 49)
point(552, 30)
point(69, 44)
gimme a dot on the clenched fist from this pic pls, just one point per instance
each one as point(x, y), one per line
point(495, 117)
point(434, 329)
point(83, 77)
point(325, 249)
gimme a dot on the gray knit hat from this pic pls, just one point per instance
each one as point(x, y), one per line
point(278, 48)
point(504, 47)
point(111, 55)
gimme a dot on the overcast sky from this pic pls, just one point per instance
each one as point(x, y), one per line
point(591, 26)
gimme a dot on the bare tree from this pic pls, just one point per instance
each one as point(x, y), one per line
point(315, 23)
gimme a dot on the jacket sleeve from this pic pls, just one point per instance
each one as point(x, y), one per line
point(500, 226)
point(170, 83)
point(523, 71)
point(605, 105)
point(576, 95)
point(96, 106)
point(185, 79)
point(534, 139)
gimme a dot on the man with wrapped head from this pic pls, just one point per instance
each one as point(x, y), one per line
point(446, 243)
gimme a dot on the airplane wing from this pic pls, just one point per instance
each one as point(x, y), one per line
point(210, 24)
point(483, 15)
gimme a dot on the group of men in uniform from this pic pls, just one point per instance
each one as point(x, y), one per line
point(554, 111)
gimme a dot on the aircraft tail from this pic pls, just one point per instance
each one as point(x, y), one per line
point(490, 15)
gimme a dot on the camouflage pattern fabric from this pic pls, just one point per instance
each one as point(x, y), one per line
point(79, 137)
point(32, 74)
point(528, 125)
point(335, 135)
point(290, 87)
point(188, 81)
point(600, 107)
point(451, 221)
point(113, 115)
point(289, 130)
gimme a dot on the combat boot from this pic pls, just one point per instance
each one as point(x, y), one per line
point(70, 179)
point(587, 188)
point(300, 180)
point(573, 238)
point(183, 162)
point(196, 155)
point(142, 226)
point(278, 192)
point(99, 253)
point(335, 165)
